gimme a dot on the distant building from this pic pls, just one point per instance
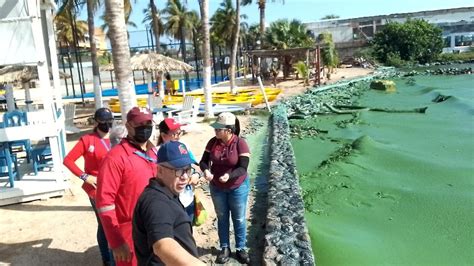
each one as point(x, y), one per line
point(457, 25)
point(100, 40)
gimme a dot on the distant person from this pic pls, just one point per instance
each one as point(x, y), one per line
point(224, 163)
point(170, 130)
point(122, 177)
point(93, 147)
point(169, 89)
point(162, 231)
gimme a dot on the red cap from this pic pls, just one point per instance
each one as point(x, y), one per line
point(139, 115)
point(172, 124)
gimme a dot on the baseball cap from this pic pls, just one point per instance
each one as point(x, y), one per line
point(169, 124)
point(223, 120)
point(103, 114)
point(139, 115)
point(174, 154)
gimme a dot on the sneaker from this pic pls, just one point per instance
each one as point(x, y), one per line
point(223, 256)
point(243, 256)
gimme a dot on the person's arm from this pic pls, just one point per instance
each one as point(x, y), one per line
point(110, 178)
point(172, 253)
point(241, 167)
point(70, 162)
point(71, 158)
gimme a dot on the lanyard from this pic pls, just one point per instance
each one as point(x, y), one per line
point(107, 147)
point(145, 156)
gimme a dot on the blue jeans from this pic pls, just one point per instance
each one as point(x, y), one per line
point(234, 202)
point(101, 239)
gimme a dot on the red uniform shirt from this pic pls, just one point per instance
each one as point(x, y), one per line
point(124, 174)
point(93, 148)
point(224, 158)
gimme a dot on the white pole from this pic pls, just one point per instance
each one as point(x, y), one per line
point(183, 88)
point(264, 93)
point(150, 88)
point(9, 97)
point(26, 87)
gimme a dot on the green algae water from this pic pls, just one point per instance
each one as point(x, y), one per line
point(399, 187)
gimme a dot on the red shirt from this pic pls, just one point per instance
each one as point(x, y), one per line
point(93, 148)
point(224, 158)
point(124, 174)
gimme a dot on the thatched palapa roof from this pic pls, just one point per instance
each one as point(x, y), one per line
point(11, 74)
point(152, 61)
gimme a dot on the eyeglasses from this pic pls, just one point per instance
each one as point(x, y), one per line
point(180, 172)
point(219, 129)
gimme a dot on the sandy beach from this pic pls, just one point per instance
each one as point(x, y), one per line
point(61, 231)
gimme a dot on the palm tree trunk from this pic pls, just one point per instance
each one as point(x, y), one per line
point(206, 58)
point(261, 7)
point(235, 44)
point(95, 65)
point(156, 30)
point(121, 55)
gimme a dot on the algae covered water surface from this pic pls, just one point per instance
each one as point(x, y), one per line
point(393, 188)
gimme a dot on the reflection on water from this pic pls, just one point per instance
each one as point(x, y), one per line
point(399, 186)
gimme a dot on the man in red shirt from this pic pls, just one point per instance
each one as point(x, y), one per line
point(122, 177)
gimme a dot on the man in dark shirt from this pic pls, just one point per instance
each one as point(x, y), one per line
point(162, 231)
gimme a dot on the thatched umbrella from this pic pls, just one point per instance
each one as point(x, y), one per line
point(150, 62)
point(23, 74)
point(12, 74)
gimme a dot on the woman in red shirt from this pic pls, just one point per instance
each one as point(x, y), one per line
point(93, 147)
point(225, 163)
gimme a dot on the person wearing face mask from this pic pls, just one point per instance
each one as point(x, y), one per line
point(93, 147)
point(123, 175)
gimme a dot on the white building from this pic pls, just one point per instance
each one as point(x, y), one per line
point(457, 25)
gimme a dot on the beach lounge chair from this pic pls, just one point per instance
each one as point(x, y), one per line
point(69, 113)
point(188, 118)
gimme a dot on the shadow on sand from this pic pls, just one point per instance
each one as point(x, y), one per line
point(39, 252)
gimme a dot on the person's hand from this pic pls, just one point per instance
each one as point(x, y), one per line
point(194, 179)
point(208, 175)
point(224, 178)
point(122, 253)
point(91, 180)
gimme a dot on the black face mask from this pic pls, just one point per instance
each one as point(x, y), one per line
point(143, 133)
point(104, 127)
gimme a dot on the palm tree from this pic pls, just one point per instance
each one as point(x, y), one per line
point(92, 6)
point(261, 6)
point(152, 18)
point(235, 43)
point(64, 29)
point(127, 12)
point(206, 58)
point(121, 55)
point(224, 23)
point(179, 22)
point(283, 34)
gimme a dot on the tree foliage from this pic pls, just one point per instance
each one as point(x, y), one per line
point(331, 16)
point(283, 34)
point(224, 23)
point(412, 41)
point(328, 52)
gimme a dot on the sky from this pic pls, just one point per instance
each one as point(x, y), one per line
point(305, 10)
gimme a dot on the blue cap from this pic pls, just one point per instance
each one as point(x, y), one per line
point(174, 154)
